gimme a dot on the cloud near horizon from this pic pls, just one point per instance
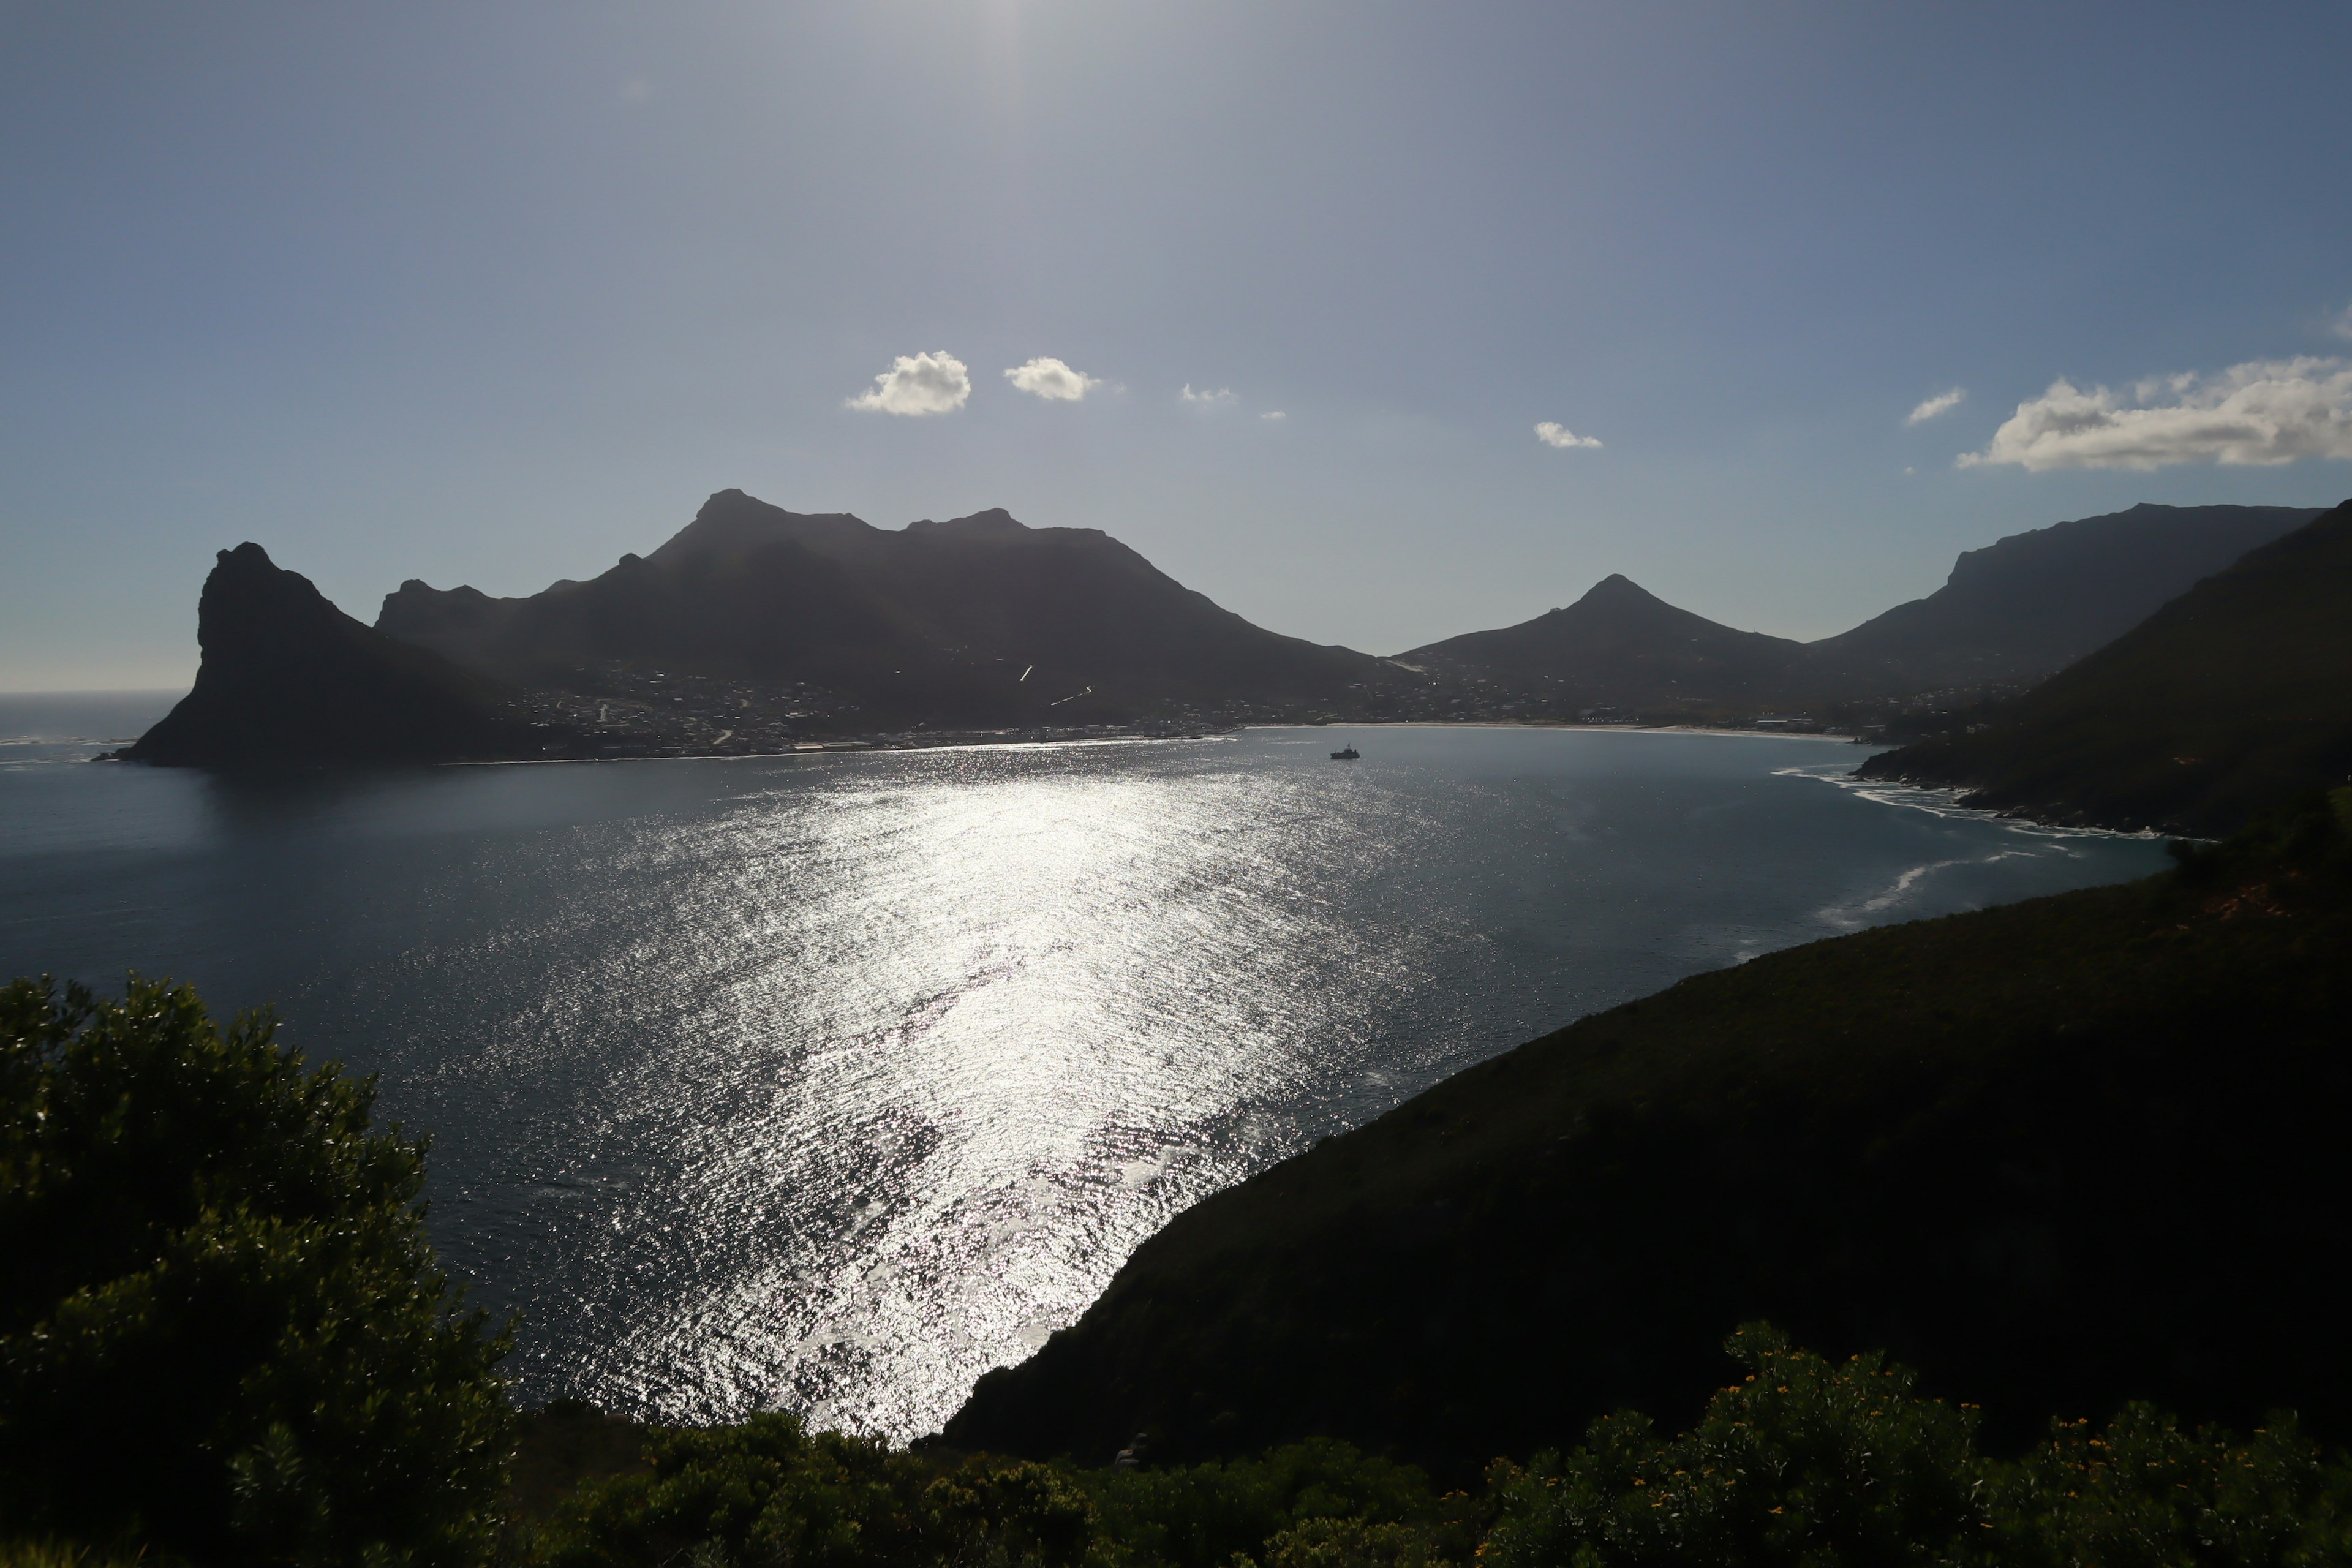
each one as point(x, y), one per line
point(1942, 403)
point(918, 384)
point(1552, 433)
point(2263, 413)
point(1052, 380)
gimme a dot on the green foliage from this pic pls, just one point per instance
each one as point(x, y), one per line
point(2146, 1494)
point(1806, 1462)
point(768, 1492)
point(223, 1335)
point(1200, 1516)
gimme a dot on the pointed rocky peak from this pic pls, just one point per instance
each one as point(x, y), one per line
point(1617, 589)
point(731, 521)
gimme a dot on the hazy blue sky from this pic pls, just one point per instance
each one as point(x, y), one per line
point(491, 293)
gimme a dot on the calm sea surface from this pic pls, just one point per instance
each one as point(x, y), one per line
point(829, 1083)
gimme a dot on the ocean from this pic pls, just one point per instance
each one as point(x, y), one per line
point(827, 1083)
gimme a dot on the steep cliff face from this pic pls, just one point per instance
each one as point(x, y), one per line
point(2028, 605)
point(2230, 698)
point(286, 677)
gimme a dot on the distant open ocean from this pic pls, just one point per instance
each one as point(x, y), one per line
point(828, 1083)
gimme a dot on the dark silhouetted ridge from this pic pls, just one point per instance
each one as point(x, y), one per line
point(1623, 646)
point(286, 677)
point(2226, 701)
point(938, 620)
point(2026, 606)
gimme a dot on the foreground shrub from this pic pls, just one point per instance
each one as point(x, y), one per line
point(1806, 1462)
point(1201, 1516)
point(222, 1336)
point(2146, 1494)
point(769, 1493)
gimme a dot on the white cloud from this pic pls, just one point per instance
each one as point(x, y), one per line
point(1274, 414)
point(918, 384)
point(2342, 325)
point(1222, 397)
point(1553, 434)
point(1052, 380)
point(2264, 412)
point(1942, 403)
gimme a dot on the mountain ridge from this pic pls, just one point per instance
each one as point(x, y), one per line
point(956, 611)
point(2226, 700)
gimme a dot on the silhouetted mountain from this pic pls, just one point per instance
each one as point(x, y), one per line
point(286, 677)
point(2028, 605)
point(2227, 699)
point(2013, 612)
point(1622, 647)
point(938, 619)
point(2062, 1153)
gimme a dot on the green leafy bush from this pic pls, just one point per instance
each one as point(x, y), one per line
point(1200, 1516)
point(769, 1493)
point(223, 1335)
point(1806, 1462)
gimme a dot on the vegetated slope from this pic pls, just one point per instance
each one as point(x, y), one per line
point(939, 617)
point(2061, 1153)
point(2236, 694)
point(2030, 604)
point(1621, 646)
point(288, 677)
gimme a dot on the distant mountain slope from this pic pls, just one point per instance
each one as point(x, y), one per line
point(2030, 604)
point(941, 617)
point(2014, 611)
point(1621, 646)
point(2062, 1153)
point(2229, 699)
point(286, 677)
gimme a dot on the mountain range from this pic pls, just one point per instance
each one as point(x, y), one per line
point(2010, 614)
point(2226, 699)
point(778, 624)
point(979, 619)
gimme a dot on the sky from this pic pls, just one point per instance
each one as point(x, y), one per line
point(1377, 322)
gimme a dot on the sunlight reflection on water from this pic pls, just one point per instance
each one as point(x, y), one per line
point(830, 1084)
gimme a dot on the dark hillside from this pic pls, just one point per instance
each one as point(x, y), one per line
point(2028, 605)
point(1623, 646)
point(2062, 1153)
point(2235, 694)
point(938, 619)
point(286, 677)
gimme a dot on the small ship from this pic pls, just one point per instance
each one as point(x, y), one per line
point(1347, 753)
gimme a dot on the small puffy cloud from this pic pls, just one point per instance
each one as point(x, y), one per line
point(1942, 403)
point(2342, 325)
point(1274, 414)
point(918, 384)
point(2264, 412)
point(1222, 397)
point(1552, 433)
point(1051, 380)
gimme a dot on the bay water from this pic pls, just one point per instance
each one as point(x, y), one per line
point(828, 1082)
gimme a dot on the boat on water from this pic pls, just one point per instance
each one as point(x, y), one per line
point(1347, 753)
